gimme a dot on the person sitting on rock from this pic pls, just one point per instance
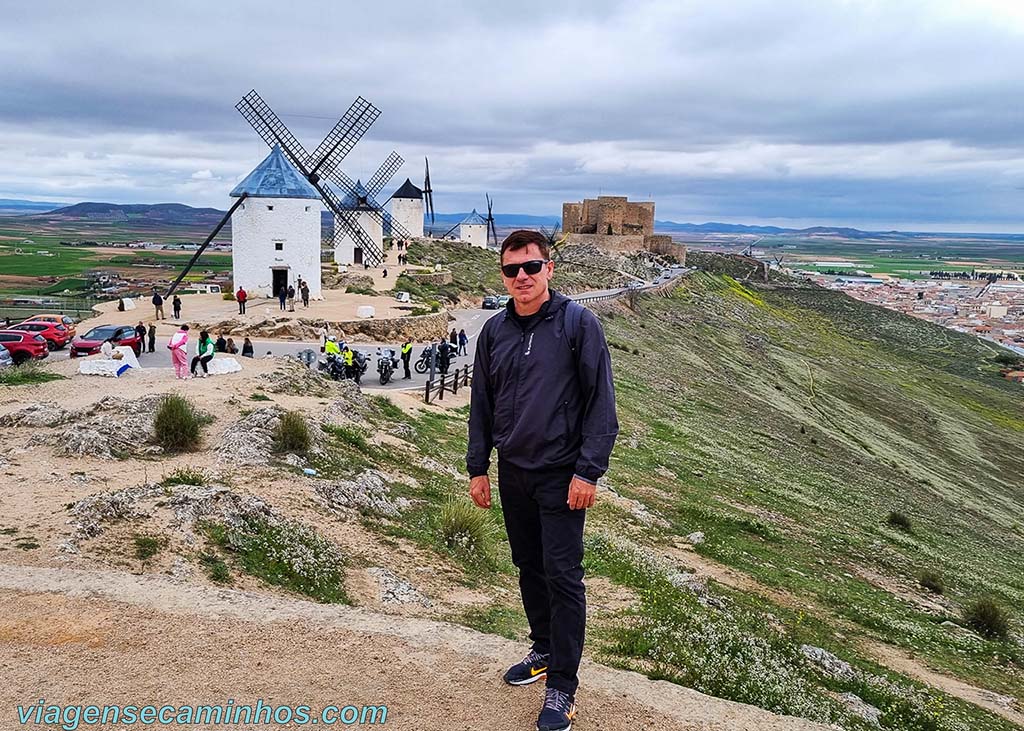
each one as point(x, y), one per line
point(221, 345)
point(247, 349)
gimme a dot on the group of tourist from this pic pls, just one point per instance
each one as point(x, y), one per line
point(286, 295)
point(206, 348)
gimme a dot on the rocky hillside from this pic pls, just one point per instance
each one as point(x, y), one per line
point(814, 505)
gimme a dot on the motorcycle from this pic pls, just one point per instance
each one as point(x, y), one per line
point(423, 364)
point(335, 367)
point(386, 365)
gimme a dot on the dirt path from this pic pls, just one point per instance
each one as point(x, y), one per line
point(106, 637)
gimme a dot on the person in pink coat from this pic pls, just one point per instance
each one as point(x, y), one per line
point(178, 345)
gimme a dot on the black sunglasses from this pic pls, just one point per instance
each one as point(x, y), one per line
point(530, 267)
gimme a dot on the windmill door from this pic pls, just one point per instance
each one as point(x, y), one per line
point(357, 255)
point(280, 280)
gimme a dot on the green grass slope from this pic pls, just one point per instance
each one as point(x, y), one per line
point(786, 425)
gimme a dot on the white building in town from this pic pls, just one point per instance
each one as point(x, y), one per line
point(407, 208)
point(275, 232)
point(473, 230)
point(348, 250)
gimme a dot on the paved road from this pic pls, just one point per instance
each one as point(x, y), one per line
point(471, 320)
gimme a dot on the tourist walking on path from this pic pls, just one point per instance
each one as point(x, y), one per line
point(158, 305)
point(176, 306)
point(542, 391)
point(304, 291)
point(291, 298)
point(241, 296)
point(453, 338)
point(204, 353)
point(463, 342)
point(282, 295)
point(152, 337)
point(179, 355)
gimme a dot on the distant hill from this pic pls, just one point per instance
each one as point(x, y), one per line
point(17, 206)
point(739, 228)
point(166, 213)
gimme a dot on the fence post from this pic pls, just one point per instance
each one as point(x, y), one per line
point(465, 375)
point(426, 394)
point(455, 381)
point(440, 391)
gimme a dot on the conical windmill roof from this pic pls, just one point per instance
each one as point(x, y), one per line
point(408, 190)
point(473, 219)
point(275, 177)
point(355, 199)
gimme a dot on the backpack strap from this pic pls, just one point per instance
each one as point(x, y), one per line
point(571, 328)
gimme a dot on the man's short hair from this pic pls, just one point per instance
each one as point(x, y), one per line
point(523, 238)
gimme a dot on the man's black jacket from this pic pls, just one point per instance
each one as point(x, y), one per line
point(537, 401)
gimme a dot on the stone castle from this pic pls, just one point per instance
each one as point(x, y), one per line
point(614, 223)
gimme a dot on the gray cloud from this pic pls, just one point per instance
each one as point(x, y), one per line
point(904, 111)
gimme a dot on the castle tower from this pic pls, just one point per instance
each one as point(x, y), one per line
point(275, 233)
point(407, 208)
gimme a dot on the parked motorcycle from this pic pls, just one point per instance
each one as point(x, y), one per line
point(423, 364)
point(386, 365)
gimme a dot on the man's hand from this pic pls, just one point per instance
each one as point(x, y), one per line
point(581, 494)
point(480, 490)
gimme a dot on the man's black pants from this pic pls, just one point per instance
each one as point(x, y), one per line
point(405, 364)
point(241, 307)
point(546, 538)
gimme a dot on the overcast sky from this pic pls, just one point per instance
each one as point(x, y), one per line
point(895, 113)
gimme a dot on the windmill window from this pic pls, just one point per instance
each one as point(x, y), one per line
point(278, 246)
point(307, 209)
point(270, 208)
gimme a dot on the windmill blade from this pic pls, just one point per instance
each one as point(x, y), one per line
point(346, 133)
point(384, 173)
point(490, 220)
point(428, 192)
point(273, 131)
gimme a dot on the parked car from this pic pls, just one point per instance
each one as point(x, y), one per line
point(66, 320)
point(403, 297)
point(56, 335)
point(92, 341)
point(24, 345)
point(490, 302)
point(503, 301)
point(6, 361)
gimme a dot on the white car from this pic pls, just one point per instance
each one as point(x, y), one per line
point(403, 297)
point(5, 358)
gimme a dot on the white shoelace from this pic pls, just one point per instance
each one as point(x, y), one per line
point(556, 700)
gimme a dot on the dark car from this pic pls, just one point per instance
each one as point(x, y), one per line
point(92, 341)
point(490, 302)
point(24, 345)
point(56, 335)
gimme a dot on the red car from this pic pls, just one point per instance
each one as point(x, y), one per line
point(56, 335)
point(24, 345)
point(66, 320)
point(92, 341)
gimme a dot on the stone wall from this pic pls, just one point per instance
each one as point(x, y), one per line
point(665, 245)
point(608, 243)
point(420, 328)
point(435, 278)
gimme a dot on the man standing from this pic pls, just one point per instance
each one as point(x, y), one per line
point(241, 296)
point(152, 336)
point(158, 304)
point(543, 396)
point(140, 333)
point(406, 357)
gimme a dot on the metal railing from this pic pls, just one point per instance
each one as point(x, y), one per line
point(452, 382)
